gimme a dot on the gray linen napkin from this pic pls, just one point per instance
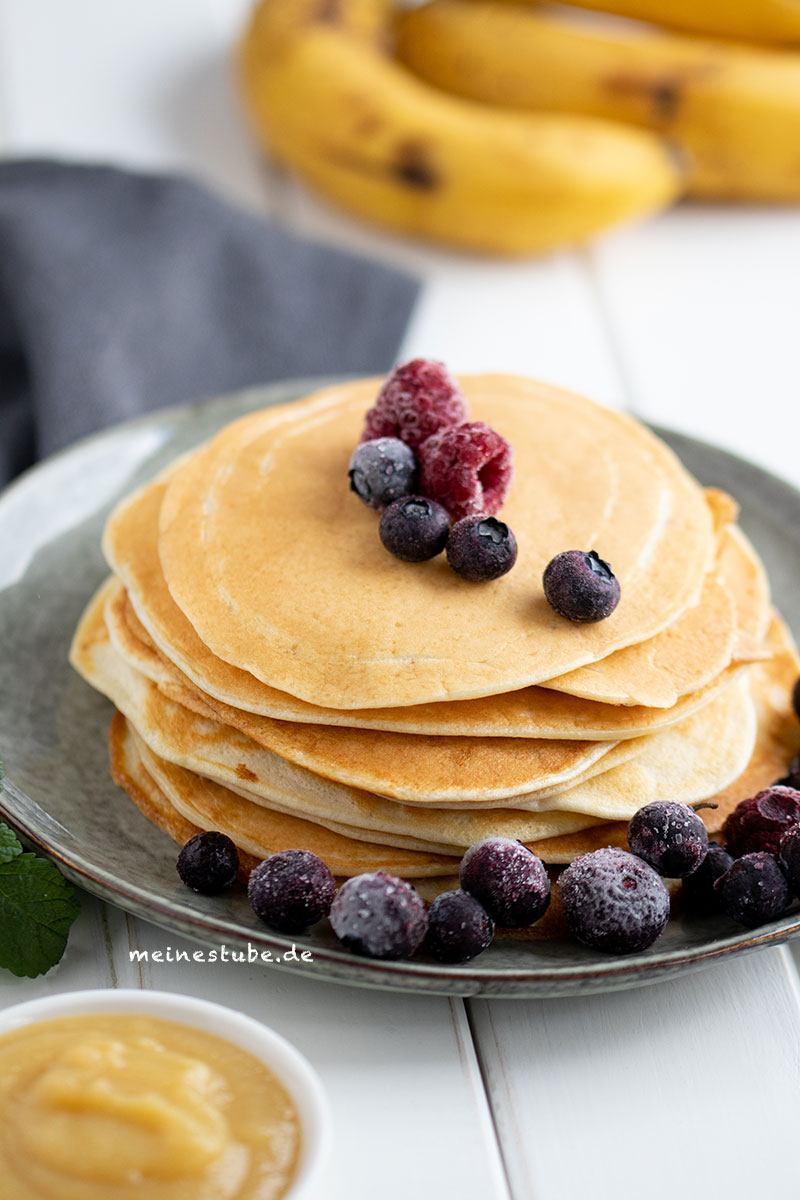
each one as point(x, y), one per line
point(123, 292)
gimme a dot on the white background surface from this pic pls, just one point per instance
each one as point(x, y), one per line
point(687, 1088)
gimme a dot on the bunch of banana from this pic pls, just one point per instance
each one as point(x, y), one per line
point(733, 110)
point(328, 101)
point(776, 21)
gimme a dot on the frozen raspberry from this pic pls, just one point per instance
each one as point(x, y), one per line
point(754, 889)
point(580, 586)
point(379, 916)
point(613, 901)
point(417, 399)
point(208, 863)
point(291, 890)
point(468, 469)
point(509, 880)
point(698, 891)
point(761, 822)
point(458, 927)
point(669, 836)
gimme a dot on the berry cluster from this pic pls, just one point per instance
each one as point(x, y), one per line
point(423, 465)
point(377, 914)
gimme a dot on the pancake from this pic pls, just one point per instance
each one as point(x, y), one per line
point(687, 762)
point(181, 735)
point(531, 712)
point(404, 766)
point(130, 773)
point(744, 574)
point(251, 822)
point(777, 743)
point(690, 655)
point(214, 751)
point(280, 571)
point(131, 546)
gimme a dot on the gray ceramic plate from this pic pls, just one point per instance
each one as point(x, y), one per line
point(53, 727)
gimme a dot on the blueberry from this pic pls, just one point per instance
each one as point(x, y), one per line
point(379, 916)
point(760, 822)
point(580, 586)
point(796, 698)
point(613, 901)
point(459, 927)
point(381, 471)
point(790, 857)
point(669, 836)
point(698, 891)
point(509, 880)
point(754, 889)
point(291, 890)
point(208, 863)
point(481, 548)
point(414, 528)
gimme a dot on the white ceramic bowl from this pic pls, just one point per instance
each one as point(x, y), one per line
point(294, 1071)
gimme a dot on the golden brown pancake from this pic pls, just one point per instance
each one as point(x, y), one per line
point(405, 766)
point(129, 772)
point(777, 743)
point(279, 570)
point(531, 712)
point(699, 645)
point(209, 749)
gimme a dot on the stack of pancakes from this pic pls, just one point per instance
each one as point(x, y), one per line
point(280, 677)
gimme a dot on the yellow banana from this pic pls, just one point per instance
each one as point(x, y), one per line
point(279, 21)
point(733, 110)
point(773, 21)
point(374, 139)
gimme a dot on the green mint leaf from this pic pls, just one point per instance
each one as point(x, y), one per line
point(37, 908)
point(9, 844)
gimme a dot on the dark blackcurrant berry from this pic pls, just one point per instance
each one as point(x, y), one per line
point(509, 880)
point(291, 890)
point(613, 901)
point(379, 916)
point(459, 927)
point(580, 586)
point(481, 548)
point(414, 528)
point(669, 836)
point(208, 863)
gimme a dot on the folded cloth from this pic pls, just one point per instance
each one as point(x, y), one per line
point(123, 292)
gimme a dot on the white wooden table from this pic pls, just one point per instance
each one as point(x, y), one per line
point(689, 1088)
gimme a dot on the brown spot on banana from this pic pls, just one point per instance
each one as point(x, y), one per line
point(409, 166)
point(413, 166)
point(329, 12)
point(663, 93)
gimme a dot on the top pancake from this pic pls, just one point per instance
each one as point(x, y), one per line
point(280, 571)
point(700, 643)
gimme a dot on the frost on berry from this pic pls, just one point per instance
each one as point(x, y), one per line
point(760, 822)
point(468, 469)
point(418, 398)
